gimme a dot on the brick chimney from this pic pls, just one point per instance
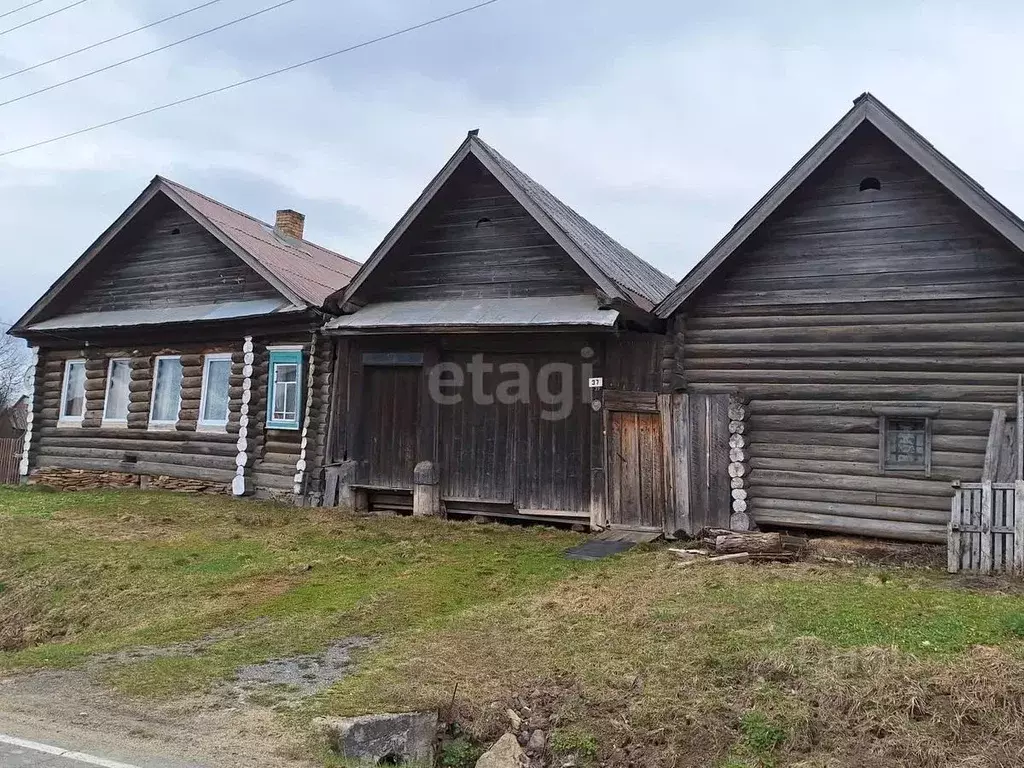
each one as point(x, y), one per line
point(290, 223)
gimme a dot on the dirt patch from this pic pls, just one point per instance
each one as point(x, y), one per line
point(849, 550)
point(298, 676)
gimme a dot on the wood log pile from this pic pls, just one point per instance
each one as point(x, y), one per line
point(720, 545)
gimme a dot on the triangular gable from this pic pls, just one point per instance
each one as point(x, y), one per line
point(615, 272)
point(157, 187)
point(866, 109)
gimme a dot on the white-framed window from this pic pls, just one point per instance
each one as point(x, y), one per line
point(284, 398)
point(163, 411)
point(115, 403)
point(72, 393)
point(213, 402)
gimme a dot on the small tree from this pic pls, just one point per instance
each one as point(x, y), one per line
point(14, 362)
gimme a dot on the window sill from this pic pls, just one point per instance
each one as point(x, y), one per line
point(286, 427)
point(113, 423)
point(162, 426)
point(221, 428)
point(69, 423)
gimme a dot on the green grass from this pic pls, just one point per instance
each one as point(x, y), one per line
point(627, 661)
point(99, 572)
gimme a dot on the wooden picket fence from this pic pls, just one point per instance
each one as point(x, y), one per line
point(986, 528)
point(10, 458)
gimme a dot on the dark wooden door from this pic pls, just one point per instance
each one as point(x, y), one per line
point(708, 454)
point(391, 400)
point(478, 442)
point(637, 476)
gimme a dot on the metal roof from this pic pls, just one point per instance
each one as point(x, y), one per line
point(621, 265)
point(312, 272)
point(542, 311)
point(225, 310)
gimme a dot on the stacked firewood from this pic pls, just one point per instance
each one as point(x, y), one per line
point(720, 545)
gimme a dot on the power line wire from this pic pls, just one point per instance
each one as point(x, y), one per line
point(249, 80)
point(67, 7)
point(110, 39)
point(20, 8)
point(116, 64)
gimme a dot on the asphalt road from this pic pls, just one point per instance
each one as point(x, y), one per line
point(22, 753)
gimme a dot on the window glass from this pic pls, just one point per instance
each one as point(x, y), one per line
point(286, 392)
point(73, 401)
point(119, 374)
point(285, 396)
point(215, 391)
point(906, 442)
point(166, 391)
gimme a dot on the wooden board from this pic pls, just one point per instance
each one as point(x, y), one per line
point(477, 443)
point(637, 486)
point(391, 398)
point(710, 491)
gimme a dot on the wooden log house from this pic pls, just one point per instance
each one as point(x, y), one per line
point(181, 351)
point(487, 348)
point(867, 318)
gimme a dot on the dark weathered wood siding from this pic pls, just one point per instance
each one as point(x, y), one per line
point(474, 240)
point(848, 302)
point(492, 453)
point(162, 258)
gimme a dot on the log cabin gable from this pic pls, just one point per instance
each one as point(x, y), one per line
point(163, 257)
point(871, 212)
point(474, 240)
point(160, 253)
point(484, 229)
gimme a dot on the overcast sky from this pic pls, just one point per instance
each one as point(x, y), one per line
point(662, 121)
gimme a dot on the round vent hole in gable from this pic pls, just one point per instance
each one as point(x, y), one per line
point(870, 182)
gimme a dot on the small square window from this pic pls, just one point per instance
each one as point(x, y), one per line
point(906, 443)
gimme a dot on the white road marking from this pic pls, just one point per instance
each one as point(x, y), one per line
point(81, 757)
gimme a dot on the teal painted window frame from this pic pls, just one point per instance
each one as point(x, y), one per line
point(284, 357)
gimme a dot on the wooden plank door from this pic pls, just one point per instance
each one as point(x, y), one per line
point(710, 490)
point(637, 480)
point(391, 404)
point(478, 441)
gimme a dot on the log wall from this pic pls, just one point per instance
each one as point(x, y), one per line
point(184, 457)
point(844, 306)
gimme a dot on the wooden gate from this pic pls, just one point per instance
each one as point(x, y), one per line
point(10, 457)
point(986, 528)
point(710, 502)
point(637, 476)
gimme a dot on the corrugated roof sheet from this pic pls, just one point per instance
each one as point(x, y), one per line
point(621, 265)
point(312, 272)
point(224, 310)
point(475, 313)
